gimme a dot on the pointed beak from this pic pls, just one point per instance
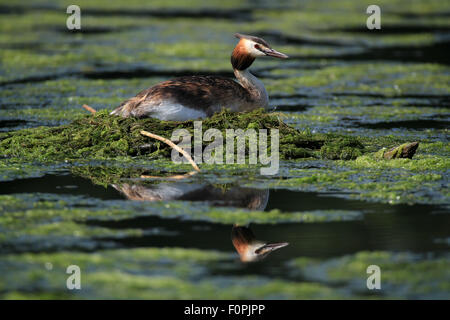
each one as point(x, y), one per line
point(275, 54)
point(271, 247)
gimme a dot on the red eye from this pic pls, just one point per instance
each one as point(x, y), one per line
point(257, 46)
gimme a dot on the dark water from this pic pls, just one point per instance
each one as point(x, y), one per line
point(401, 227)
point(340, 78)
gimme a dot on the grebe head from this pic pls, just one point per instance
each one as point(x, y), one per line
point(249, 48)
point(250, 249)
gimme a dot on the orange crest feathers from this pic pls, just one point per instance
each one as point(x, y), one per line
point(240, 58)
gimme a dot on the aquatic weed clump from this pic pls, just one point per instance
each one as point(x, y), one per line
point(102, 136)
point(341, 148)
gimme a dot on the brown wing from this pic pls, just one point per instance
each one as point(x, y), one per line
point(197, 92)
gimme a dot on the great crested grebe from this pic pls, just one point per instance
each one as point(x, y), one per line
point(250, 249)
point(252, 199)
point(194, 97)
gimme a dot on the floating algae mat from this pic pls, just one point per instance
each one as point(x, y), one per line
point(350, 103)
point(102, 136)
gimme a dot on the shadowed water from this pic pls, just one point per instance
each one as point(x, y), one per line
point(309, 232)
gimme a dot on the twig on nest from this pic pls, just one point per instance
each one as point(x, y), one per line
point(90, 109)
point(175, 177)
point(174, 146)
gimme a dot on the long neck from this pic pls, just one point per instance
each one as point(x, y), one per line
point(241, 60)
point(254, 86)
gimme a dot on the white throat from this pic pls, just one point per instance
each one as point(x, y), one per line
point(254, 86)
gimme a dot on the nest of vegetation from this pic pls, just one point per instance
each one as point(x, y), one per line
point(102, 136)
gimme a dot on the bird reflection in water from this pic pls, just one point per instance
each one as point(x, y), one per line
point(248, 247)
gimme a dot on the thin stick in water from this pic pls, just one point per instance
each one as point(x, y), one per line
point(174, 177)
point(174, 146)
point(90, 109)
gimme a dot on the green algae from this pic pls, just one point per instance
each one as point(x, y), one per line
point(102, 136)
point(11, 169)
point(34, 44)
point(341, 148)
point(335, 110)
point(392, 181)
point(371, 177)
point(54, 220)
point(150, 273)
point(174, 273)
point(403, 274)
point(391, 79)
